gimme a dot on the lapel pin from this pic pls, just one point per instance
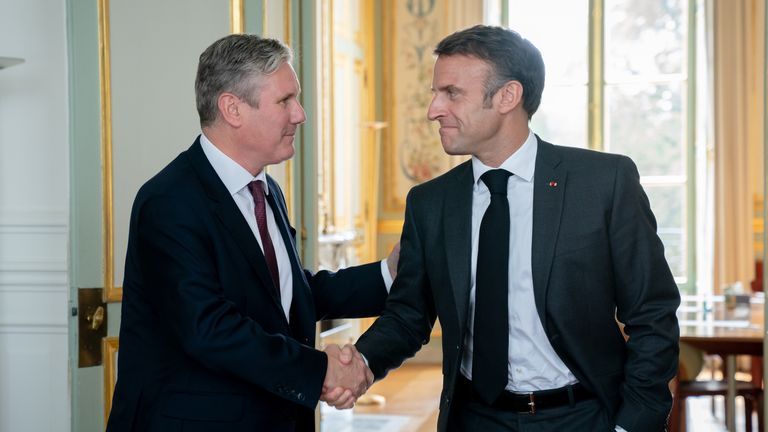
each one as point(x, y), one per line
point(553, 184)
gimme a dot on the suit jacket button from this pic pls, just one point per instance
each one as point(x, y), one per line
point(300, 396)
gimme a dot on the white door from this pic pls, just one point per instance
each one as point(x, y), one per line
point(134, 98)
point(34, 217)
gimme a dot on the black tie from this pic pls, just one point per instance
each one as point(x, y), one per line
point(491, 332)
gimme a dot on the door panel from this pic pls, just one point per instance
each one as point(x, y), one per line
point(142, 83)
point(34, 206)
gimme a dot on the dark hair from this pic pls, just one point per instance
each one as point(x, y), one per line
point(511, 57)
point(235, 64)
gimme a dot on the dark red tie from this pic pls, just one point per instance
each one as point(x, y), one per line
point(257, 190)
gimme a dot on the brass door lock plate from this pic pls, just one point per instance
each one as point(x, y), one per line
point(92, 326)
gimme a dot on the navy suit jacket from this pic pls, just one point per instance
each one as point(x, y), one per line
point(595, 257)
point(204, 342)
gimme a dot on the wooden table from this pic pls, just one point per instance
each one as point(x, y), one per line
point(706, 323)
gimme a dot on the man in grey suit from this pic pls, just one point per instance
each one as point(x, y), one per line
point(528, 254)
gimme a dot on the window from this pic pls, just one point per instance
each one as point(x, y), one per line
point(618, 81)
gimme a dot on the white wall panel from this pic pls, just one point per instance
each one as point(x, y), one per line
point(34, 136)
point(154, 116)
point(34, 376)
point(34, 209)
point(34, 393)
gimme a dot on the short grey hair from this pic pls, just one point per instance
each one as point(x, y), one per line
point(235, 64)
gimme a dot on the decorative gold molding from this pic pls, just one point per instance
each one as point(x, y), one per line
point(264, 11)
point(288, 31)
point(287, 22)
point(390, 226)
point(112, 293)
point(371, 138)
point(109, 348)
point(325, 55)
point(329, 102)
point(236, 14)
point(406, 57)
point(388, 80)
point(596, 76)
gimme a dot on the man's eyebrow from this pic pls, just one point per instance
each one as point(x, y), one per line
point(447, 87)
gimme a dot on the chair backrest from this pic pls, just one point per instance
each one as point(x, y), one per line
point(757, 282)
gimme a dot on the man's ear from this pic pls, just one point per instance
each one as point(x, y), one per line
point(511, 96)
point(229, 109)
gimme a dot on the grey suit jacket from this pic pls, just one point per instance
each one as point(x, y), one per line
point(596, 257)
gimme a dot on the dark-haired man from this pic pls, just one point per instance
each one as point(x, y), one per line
point(528, 253)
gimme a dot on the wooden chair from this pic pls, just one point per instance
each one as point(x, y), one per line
point(757, 282)
point(681, 390)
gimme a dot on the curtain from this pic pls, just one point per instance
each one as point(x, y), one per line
point(738, 65)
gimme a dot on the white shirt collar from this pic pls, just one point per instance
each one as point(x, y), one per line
point(521, 163)
point(232, 174)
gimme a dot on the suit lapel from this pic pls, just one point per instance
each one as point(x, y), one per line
point(281, 219)
point(232, 219)
point(458, 237)
point(302, 310)
point(548, 192)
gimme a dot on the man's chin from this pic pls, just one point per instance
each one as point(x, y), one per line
point(286, 152)
point(453, 150)
point(290, 151)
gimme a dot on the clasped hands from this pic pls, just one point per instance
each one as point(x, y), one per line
point(346, 378)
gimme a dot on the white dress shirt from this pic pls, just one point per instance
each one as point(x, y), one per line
point(236, 179)
point(533, 364)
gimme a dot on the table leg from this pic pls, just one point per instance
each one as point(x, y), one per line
point(730, 398)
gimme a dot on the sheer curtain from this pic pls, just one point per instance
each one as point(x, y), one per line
point(738, 67)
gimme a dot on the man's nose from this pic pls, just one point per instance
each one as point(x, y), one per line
point(435, 110)
point(298, 116)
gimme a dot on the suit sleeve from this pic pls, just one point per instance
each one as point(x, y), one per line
point(175, 247)
point(647, 299)
point(354, 292)
point(406, 323)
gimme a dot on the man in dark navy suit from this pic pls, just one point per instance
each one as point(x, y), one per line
point(218, 318)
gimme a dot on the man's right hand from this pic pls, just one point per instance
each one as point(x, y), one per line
point(346, 378)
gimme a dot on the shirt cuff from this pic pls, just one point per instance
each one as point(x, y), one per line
point(386, 275)
point(620, 429)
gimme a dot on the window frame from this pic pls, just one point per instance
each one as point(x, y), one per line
point(596, 107)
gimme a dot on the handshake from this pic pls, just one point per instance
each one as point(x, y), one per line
point(347, 377)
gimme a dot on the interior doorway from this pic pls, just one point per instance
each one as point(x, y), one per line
point(348, 188)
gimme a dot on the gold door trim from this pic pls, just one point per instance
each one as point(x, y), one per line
point(236, 14)
point(112, 293)
point(288, 31)
point(109, 348)
point(596, 75)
